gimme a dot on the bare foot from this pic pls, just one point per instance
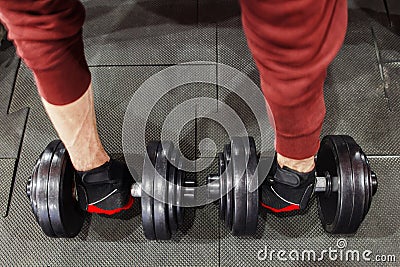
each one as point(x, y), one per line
point(303, 165)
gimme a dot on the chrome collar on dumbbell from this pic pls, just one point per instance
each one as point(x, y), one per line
point(328, 184)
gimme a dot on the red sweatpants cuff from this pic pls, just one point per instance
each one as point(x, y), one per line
point(68, 80)
point(298, 147)
point(59, 90)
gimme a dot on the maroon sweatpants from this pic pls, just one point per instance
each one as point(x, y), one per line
point(48, 37)
point(292, 42)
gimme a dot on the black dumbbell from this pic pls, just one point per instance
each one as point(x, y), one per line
point(344, 185)
point(55, 204)
point(237, 170)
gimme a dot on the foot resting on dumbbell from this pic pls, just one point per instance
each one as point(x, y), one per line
point(286, 189)
point(105, 189)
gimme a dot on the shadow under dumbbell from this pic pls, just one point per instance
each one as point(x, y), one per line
point(118, 226)
point(83, 234)
point(291, 224)
point(187, 225)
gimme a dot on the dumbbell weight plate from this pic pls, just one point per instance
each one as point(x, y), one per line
point(222, 185)
point(180, 178)
point(228, 176)
point(361, 174)
point(65, 215)
point(368, 183)
point(31, 190)
point(147, 193)
point(238, 163)
point(239, 205)
point(172, 175)
point(40, 182)
point(245, 192)
point(342, 212)
point(52, 193)
point(253, 199)
point(161, 219)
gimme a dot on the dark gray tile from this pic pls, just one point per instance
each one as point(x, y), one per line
point(392, 85)
point(233, 52)
point(388, 39)
point(355, 95)
point(12, 125)
point(144, 32)
point(394, 7)
point(233, 49)
point(227, 126)
point(386, 26)
point(355, 100)
point(9, 62)
point(6, 178)
point(217, 12)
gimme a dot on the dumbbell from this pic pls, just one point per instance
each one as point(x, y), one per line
point(344, 185)
point(55, 203)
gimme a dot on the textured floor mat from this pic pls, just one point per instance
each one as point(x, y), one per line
point(392, 85)
point(129, 41)
point(146, 32)
point(6, 182)
point(356, 98)
point(12, 125)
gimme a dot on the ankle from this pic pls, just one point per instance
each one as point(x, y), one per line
point(90, 162)
point(303, 165)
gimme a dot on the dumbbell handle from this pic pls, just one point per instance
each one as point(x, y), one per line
point(188, 190)
point(323, 184)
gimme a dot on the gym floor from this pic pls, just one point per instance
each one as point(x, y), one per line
point(128, 41)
